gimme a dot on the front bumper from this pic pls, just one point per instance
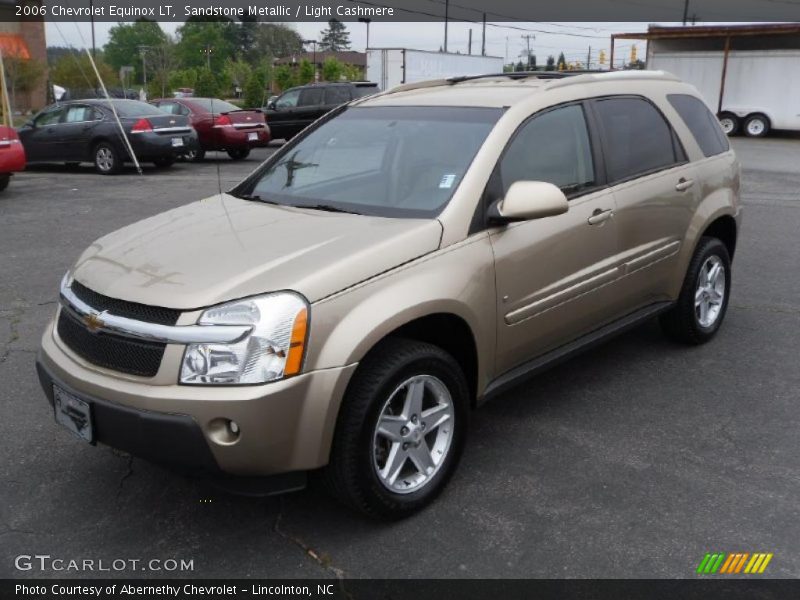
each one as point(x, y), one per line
point(285, 426)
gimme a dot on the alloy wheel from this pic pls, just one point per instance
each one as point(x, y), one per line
point(105, 159)
point(413, 434)
point(710, 292)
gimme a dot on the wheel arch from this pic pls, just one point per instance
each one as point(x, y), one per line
point(724, 229)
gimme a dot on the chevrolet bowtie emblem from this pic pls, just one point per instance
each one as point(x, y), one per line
point(172, 121)
point(93, 322)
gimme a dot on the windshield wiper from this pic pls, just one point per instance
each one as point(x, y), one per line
point(327, 208)
point(254, 197)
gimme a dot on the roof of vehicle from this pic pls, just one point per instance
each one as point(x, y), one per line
point(502, 89)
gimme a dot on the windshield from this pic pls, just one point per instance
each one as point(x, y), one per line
point(133, 108)
point(219, 106)
point(397, 161)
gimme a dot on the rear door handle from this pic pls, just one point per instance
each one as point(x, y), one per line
point(600, 216)
point(683, 184)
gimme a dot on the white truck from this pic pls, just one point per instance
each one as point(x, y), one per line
point(390, 67)
point(761, 89)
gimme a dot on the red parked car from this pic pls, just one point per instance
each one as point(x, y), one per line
point(220, 125)
point(12, 155)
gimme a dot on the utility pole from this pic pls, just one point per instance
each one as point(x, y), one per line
point(91, 18)
point(446, 15)
point(483, 37)
point(589, 60)
point(685, 11)
point(367, 22)
point(527, 39)
point(143, 53)
point(207, 50)
point(469, 45)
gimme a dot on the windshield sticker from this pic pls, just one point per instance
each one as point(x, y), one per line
point(447, 181)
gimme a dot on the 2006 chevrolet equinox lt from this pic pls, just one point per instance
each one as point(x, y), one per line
point(403, 259)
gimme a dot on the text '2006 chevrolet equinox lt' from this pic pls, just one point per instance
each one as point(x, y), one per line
point(400, 261)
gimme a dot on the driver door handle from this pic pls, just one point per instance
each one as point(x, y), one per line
point(683, 184)
point(600, 216)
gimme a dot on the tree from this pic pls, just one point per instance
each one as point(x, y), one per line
point(284, 77)
point(332, 69)
point(237, 72)
point(561, 64)
point(22, 74)
point(551, 63)
point(335, 37)
point(182, 78)
point(207, 85)
point(204, 44)
point(519, 66)
point(162, 61)
point(305, 73)
point(274, 40)
point(532, 62)
point(255, 89)
point(75, 72)
point(56, 52)
point(637, 64)
point(125, 41)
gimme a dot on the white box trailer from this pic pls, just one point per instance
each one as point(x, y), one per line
point(761, 89)
point(390, 67)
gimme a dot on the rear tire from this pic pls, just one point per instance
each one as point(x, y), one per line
point(195, 155)
point(239, 153)
point(5, 178)
point(106, 159)
point(419, 396)
point(730, 123)
point(164, 162)
point(756, 125)
point(703, 301)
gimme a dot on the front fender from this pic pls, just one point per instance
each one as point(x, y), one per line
point(457, 280)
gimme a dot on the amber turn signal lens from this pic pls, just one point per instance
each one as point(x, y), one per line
point(297, 346)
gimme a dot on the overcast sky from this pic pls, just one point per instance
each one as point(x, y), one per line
point(573, 38)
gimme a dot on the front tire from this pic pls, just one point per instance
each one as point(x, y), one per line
point(5, 178)
point(106, 159)
point(756, 126)
point(239, 153)
point(400, 431)
point(703, 301)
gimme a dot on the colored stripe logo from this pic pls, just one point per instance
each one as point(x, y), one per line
point(733, 563)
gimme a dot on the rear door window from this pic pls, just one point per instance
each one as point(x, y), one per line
point(79, 114)
point(337, 94)
point(703, 125)
point(638, 139)
point(311, 97)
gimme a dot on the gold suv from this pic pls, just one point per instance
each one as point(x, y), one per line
point(402, 260)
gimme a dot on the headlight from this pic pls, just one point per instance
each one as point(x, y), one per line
point(273, 350)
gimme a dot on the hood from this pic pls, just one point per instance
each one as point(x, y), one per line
point(223, 248)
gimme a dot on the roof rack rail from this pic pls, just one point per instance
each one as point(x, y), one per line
point(627, 75)
point(522, 75)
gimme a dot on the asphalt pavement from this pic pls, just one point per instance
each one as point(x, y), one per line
point(632, 460)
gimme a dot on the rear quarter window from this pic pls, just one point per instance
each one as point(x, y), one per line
point(701, 122)
point(637, 138)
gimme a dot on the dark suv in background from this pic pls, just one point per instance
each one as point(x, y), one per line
point(300, 106)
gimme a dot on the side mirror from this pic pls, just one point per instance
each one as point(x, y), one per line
point(272, 105)
point(30, 124)
point(527, 200)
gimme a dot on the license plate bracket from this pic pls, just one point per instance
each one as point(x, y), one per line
point(74, 414)
point(177, 142)
point(252, 136)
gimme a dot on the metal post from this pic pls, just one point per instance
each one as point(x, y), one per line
point(469, 45)
point(446, 15)
point(724, 73)
point(366, 21)
point(91, 18)
point(685, 11)
point(589, 59)
point(483, 37)
point(611, 63)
